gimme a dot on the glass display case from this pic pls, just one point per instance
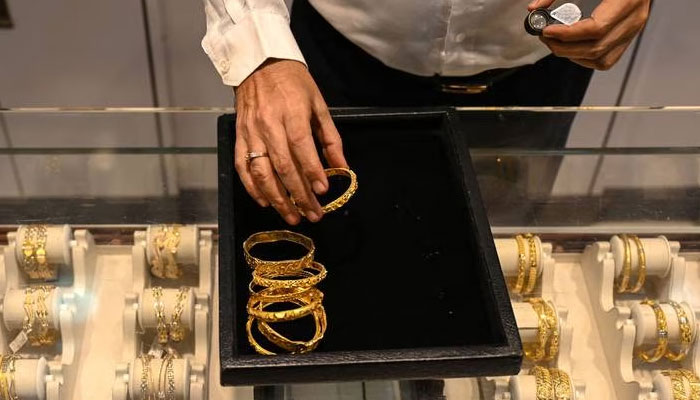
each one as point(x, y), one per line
point(614, 213)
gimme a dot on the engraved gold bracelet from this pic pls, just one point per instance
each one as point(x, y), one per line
point(686, 333)
point(158, 307)
point(34, 261)
point(177, 331)
point(256, 308)
point(522, 264)
point(562, 384)
point(278, 267)
point(641, 265)
point(145, 376)
point(678, 384)
point(536, 352)
point(344, 198)
point(626, 265)
point(312, 280)
point(295, 346)
point(553, 322)
point(543, 381)
point(532, 277)
point(693, 381)
point(661, 331)
point(46, 335)
point(164, 249)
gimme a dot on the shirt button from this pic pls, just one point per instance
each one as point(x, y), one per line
point(460, 37)
point(223, 65)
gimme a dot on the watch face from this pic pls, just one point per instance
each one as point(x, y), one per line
point(538, 20)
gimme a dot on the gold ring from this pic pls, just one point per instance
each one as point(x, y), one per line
point(642, 265)
point(626, 265)
point(661, 332)
point(686, 332)
point(283, 267)
point(344, 198)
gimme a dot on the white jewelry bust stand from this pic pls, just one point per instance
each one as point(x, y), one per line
point(74, 255)
point(195, 256)
point(623, 324)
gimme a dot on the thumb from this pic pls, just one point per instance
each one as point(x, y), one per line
point(534, 4)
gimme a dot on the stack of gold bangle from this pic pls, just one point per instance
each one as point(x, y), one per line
point(34, 261)
point(679, 378)
point(35, 310)
point(173, 330)
point(164, 387)
point(623, 283)
point(344, 198)
point(551, 384)
point(7, 377)
point(166, 239)
point(662, 348)
point(527, 264)
point(547, 346)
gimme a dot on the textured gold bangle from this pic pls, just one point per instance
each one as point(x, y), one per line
point(177, 331)
point(35, 262)
point(296, 346)
point(662, 334)
point(164, 248)
point(4, 382)
point(626, 265)
point(562, 384)
point(536, 352)
point(251, 339)
point(170, 372)
point(280, 295)
point(693, 381)
point(686, 333)
point(256, 308)
point(158, 307)
point(278, 267)
point(677, 384)
point(642, 265)
point(553, 321)
point(543, 381)
point(313, 280)
point(344, 198)
point(145, 376)
point(522, 264)
point(532, 277)
point(28, 322)
point(46, 335)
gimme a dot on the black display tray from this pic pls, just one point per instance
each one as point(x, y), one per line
point(414, 287)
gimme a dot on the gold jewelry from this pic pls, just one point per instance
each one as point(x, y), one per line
point(312, 280)
point(532, 278)
point(543, 381)
point(256, 308)
point(177, 331)
point(258, 348)
point(170, 372)
point(5, 379)
point(661, 331)
point(28, 322)
point(162, 327)
point(626, 265)
point(164, 249)
point(686, 333)
point(677, 384)
point(553, 322)
point(344, 198)
point(295, 346)
point(562, 384)
point(145, 376)
point(642, 265)
point(522, 263)
point(279, 295)
point(46, 335)
point(35, 262)
point(283, 267)
point(537, 351)
point(693, 381)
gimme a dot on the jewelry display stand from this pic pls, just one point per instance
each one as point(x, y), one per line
point(47, 372)
point(195, 256)
point(626, 325)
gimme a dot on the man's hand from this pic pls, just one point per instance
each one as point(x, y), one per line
point(277, 108)
point(599, 41)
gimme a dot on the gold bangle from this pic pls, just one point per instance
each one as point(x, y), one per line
point(553, 321)
point(296, 346)
point(145, 376)
point(164, 248)
point(693, 381)
point(626, 265)
point(662, 334)
point(46, 335)
point(344, 198)
point(562, 384)
point(312, 280)
point(532, 278)
point(677, 384)
point(158, 307)
point(35, 262)
point(522, 264)
point(278, 267)
point(543, 381)
point(258, 348)
point(642, 265)
point(28, 322)
point(686, 333)
point(537, 351)
point(280, 295)
point(4, 382)
point(256, 308)
point(170, 372)
point(177, 331)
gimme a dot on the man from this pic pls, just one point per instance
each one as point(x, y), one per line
point(387, 53)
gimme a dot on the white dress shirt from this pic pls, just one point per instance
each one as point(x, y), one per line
point(422, 37)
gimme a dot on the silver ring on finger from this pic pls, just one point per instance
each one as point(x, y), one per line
point(253, 155)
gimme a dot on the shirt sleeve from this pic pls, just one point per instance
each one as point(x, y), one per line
point(242, 34)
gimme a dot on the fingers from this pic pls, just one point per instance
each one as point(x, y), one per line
point(286, 168)
point(328, 136)
point(535, 4)
point(603, 19)
point(240, 152)
point(589, 49)
point(605, 62)
point(301, 144)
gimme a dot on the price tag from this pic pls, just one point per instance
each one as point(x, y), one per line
point(19, 341)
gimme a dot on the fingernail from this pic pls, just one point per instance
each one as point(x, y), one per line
point(319, 187)
point(292, 219)
point(312, 216)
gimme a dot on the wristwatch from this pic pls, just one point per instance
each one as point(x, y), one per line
point(540, 18)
